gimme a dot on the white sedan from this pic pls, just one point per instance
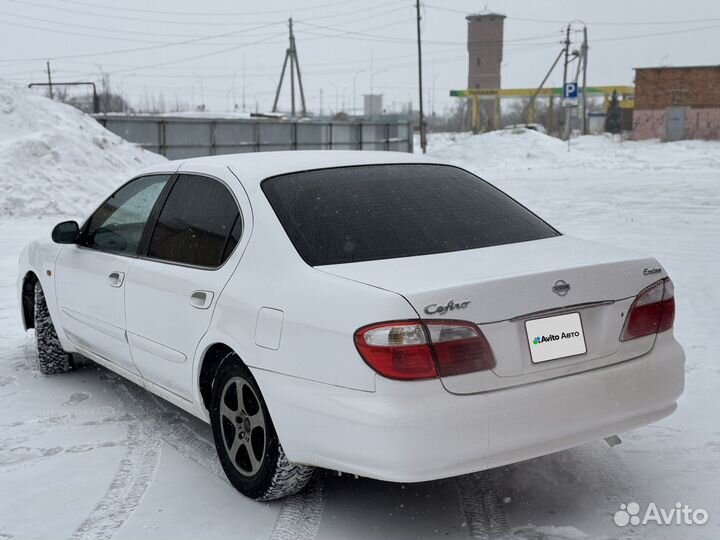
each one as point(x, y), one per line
point(374, 313)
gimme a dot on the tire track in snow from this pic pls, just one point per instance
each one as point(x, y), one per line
point(131, 480)
point(482, 505)
point(157, 422)
point(169, 425)
point(301, 514)
point(127, 487)
point(153, 423)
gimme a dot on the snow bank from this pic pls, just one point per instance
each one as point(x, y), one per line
point(524, 149)
point(54, 159)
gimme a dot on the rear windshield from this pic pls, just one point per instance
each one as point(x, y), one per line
point(372, 212)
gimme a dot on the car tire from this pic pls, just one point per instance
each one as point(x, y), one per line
point(51, 358)
point(247, 445)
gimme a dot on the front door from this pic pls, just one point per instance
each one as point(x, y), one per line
point(675, 123)
point(90, 276)
point(171, 291)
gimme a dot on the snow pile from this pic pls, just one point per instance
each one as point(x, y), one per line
point(54, 159)
point(525, 149)
point(499, 149)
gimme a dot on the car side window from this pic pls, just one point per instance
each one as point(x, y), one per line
point(118, 224)
point(199, 225)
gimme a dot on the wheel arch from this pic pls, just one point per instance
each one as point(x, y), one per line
point(213, 357)
point(28, 299)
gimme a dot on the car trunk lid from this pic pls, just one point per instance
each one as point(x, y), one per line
point(501, 287)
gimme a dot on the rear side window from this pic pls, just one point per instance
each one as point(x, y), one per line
point(365, 213)
point(199, 224)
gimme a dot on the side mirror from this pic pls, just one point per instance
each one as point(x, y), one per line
point(66, 232)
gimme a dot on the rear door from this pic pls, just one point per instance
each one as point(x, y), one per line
point(90, 276)
point(172, 289)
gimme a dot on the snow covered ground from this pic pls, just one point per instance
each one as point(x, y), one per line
point(89, 455)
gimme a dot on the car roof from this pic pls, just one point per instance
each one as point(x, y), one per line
point(260, 165)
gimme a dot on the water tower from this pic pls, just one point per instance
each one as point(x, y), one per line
point(485, 48)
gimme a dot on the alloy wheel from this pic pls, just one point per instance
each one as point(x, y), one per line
point(243, 428)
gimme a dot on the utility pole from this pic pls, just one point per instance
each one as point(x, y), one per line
point(584, 83)
point(423, 139)
point(49, 79)
point(292, 75)
point(565, 69)
point(567, 54)
point(291, 55)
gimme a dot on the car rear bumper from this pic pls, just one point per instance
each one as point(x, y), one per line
point(417, 431)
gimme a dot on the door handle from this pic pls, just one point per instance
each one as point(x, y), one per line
point(115, 279)
point(201, 299)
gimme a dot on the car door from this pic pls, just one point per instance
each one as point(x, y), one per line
point(171, 291)
point(90, 275)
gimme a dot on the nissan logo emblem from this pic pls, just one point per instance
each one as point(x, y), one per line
point(561, 287)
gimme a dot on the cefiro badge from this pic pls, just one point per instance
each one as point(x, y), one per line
point(438, 309)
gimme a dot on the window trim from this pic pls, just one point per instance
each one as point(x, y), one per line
point(86, 223)
point(144, 246)
point(295, 249)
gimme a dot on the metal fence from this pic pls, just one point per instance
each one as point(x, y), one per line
point(181, 137)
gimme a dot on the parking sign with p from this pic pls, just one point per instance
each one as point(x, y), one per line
point(570, 91)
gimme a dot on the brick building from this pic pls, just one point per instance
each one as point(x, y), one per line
point(673, 103)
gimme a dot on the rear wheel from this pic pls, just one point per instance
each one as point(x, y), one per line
point(245, 438)
point(51, 358)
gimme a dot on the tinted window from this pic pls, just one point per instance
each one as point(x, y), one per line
point(118, 224)
point(198, 222)
point(374, 212)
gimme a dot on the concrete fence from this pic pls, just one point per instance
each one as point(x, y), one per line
point(182, 137)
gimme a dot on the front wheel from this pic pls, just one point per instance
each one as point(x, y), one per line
point(247, 445)
point(51, 358)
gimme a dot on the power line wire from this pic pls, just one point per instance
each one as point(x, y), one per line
point(195, 23)
point(211, 14)
point(343, 32)
point(122, 17)
point(594, 23)
point(218, 52)
point(112, 38)
point(138, 49)
point(196, 57)
point(66, 24)
point(105, 29)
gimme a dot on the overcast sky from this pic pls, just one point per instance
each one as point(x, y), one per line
point(209, 51)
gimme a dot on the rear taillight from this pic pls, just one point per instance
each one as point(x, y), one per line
point(410, 350)
point(653, 311)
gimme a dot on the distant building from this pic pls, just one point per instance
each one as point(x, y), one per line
point(485, 49)
point(373, 104)
point(673, 103)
